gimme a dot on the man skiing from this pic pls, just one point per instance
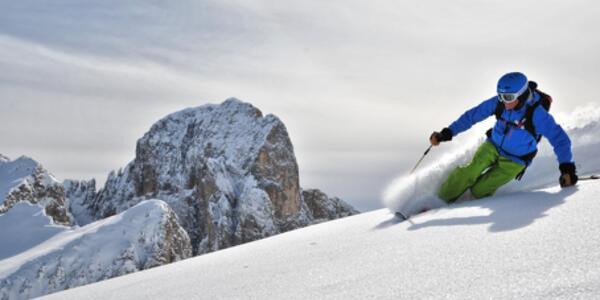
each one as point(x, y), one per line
point(522, 118)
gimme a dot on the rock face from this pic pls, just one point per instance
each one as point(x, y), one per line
point(80, 195)
point(25, 180)
point(228, 172)
point(324, 208)
point(144, 236)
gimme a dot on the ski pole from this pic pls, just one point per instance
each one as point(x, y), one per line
point(420, 160)
point(398, 212)
point(590, 177)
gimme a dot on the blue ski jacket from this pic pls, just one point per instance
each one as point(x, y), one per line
point(512, 140)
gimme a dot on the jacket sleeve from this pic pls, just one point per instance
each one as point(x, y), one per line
point(545, 125)
point(474, 115)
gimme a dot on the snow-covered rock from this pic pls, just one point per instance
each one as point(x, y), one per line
point(142, 237)
point(229, 173)
point(324, 208)
point(25, 180)
point(80, 195)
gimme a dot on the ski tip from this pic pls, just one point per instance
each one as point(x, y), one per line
point(400, 215)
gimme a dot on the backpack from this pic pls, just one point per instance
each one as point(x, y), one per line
point(527, 121)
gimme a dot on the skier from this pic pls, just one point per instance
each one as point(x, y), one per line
point(522, 116)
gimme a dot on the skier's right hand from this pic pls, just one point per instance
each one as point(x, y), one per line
point(437, 137)
point(568, 175)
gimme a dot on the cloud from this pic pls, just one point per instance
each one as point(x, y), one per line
point(355, 82)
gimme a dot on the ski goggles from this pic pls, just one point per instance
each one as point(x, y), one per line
point(511, 97)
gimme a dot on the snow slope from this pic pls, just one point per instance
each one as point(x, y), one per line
point(24, 227)
point(522, 243)
point(27, 193)
point(538, 244)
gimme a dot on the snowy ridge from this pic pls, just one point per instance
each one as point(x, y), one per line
point(14, 173)
point(411, 193)
point(144, 236)
point(31, 205)
point(23, 227)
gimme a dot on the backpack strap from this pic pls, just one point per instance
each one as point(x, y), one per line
point(498, 113)
point(499, 110)
point(528, 121)
point(545, 101)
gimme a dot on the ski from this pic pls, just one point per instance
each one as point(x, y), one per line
point(403, 217)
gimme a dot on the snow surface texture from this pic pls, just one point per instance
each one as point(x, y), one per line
point(526, 245)
point(144, 236)
point(411, 194)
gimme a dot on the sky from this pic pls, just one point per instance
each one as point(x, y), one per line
point(360, 85)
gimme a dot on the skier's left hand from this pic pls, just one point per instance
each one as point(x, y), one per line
point(568, 175)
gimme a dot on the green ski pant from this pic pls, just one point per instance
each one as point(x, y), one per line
point(486, 172)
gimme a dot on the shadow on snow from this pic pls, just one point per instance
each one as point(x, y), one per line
point(509, 212)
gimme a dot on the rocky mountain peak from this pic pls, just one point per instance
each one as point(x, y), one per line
point(233, 131)
point(228, 172)
point(24, 179)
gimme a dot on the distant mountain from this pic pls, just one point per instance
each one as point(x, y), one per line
point(203, 179)
point(42, 251)
point(25, 180)
point(228, 172)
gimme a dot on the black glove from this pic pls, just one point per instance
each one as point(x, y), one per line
point(437, 137)
point(568, 176)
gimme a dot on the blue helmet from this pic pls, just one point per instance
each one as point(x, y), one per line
point(511, 86)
